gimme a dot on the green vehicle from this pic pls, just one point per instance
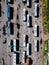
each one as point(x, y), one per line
point(46, 50)
point(47, 62)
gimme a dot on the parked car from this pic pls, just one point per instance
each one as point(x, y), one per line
point(29, 21)
point(28, 3)
point(36, 30)
point(28, 49)
point(24, 57)
point(10, 11)
point(10, 28)
point(16, 45)
point(37, 1)
point(15, 58)
point(10, 1)
point(24, 1)
point(0, 10)
point(36, 45)
point(25, 40)
point(36, 11)
point(25, 12)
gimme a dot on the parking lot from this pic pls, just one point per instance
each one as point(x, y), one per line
point(5, 53)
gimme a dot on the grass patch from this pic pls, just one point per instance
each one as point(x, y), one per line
point(46, 20)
